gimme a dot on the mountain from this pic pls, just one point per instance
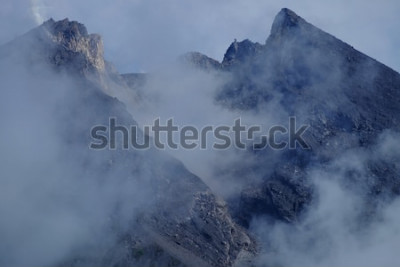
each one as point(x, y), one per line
point(71, 205)
point(151, 209)
point(348, 99)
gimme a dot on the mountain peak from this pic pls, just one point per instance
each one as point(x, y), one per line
point(240, 51)
point(73, 37)
point(286, 20)
point(66, 27)
point(288, 14)
point(284, 23)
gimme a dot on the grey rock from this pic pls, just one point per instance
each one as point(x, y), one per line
point(347, 98)
point(240, 52)
point(181, 222)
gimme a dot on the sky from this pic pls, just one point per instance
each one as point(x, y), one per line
point(140, 36)
point(145, 36)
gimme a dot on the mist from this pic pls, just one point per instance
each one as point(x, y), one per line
point(53, 207)
point(71, 200)
point(341, 227)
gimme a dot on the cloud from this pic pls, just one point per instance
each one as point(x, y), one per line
point(343, 226)
point(52, 205)
point(38, 10)
point(149, 35)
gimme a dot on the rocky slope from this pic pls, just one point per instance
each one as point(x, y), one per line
point(347, 98)
point(162, 214)
point(179, 221)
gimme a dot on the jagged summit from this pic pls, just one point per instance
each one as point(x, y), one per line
point(287, 26)
point(285, 20)
point(73, 38)
point(65, 27)
point(65, 44)
point(239, 51)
